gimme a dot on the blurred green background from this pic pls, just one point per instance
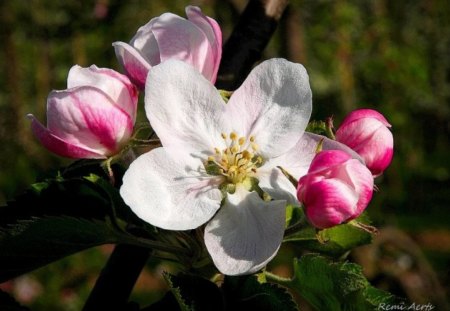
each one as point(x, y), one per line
point(392, 56)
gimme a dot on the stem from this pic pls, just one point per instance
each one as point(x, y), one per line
point(117, 279)
point(277, 279)
point(295, 227)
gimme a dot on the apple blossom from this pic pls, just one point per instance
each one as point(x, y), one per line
point(366, 131)
point(218, 158)
point(336, 189)
point(196, 41)
point(92, 118)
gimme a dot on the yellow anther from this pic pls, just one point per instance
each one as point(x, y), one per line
point(246, 155)
point(235, 162)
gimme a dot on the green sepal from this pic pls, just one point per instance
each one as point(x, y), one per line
point(334, 241)
point(317, 127)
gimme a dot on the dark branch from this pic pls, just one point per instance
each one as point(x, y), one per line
point(117, 279)
point(248, 40)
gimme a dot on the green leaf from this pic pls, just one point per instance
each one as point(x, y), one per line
point(334, 286)
point(51, 220)
point(294, 214)
point(194, 293)
point(246, 293)
point(334, 241)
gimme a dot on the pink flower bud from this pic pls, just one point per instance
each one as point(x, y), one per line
point(196, 41)
point(366, 131)
point(336, 189)
point(92, 118)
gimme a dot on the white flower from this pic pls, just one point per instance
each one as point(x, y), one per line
point(209, 145)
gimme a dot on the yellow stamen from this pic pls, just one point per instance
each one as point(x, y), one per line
point(234, 162)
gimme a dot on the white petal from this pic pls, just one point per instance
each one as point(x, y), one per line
point(273, 104)
point(246, 233)
point(168, 194)
point(145, 42)
point(185, 110)
point(296, 162)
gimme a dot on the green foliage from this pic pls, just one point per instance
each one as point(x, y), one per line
point(333, 286)
point(247, 293)
point(59, 217)
point(193, 293)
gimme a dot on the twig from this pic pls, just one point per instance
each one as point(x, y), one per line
point(248, 40)
point(117, 279)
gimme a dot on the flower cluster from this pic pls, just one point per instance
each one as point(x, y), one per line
point(222, 165)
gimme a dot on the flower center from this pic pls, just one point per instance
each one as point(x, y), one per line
point(237, 161)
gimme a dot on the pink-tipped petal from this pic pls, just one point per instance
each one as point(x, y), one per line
point(135, 66)
point(212, 31)
point(117, 86)
point(359, 178)
point(328, 158)
point(180, 39)
point(336, 189)
point(365, 113)
point(366, 131)
point(329, 202)
point(59, 146)
point(85, 116)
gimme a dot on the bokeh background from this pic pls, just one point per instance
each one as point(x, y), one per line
point(392, 56)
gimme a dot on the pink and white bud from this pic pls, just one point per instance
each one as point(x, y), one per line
point(196, 41)
point(336, 189)
point(366, 131)
point(93, 118)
